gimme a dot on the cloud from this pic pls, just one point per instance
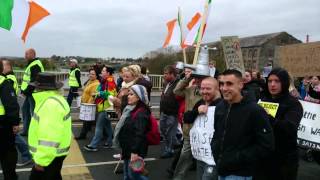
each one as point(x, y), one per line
point(122, 28)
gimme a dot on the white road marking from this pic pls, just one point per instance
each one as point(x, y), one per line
point(83, 165)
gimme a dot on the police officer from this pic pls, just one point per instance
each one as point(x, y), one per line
point(74, 80)
point(34, 67)
point(50, 129)
point(9, 125)
point(21, 144)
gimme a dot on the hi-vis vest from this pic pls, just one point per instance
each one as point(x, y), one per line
point(2, 110)
point(50, 127)
point(15, 82)
point(27, 73)
point(72, 78)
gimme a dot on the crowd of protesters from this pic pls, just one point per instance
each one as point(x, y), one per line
point(246, 142)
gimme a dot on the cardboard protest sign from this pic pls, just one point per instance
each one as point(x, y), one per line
point(201, 134)
point(271, 108)
point(309, 129)
point(300, 59)
point(232, 53)
point(266, 71)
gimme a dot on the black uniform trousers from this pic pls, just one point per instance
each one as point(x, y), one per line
point(51, 172)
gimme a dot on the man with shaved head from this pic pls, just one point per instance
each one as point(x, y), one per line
point(199, 115)
point(34, 67)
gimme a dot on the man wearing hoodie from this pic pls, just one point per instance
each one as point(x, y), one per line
point(284, 161)
point(242, 133)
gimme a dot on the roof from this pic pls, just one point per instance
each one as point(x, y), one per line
point(252, 41)
point(257, 40)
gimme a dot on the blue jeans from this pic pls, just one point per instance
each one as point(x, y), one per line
point(185, 160)
point(128, 174)
point(168, 129)
point(27, 112)
point(103, 123)
point(22, 147)
point(232, 177)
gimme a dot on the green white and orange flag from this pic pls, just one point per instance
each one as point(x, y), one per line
point(174, 36)
point(194, 28)
point(18, 16)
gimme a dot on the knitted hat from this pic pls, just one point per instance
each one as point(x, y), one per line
point(141, 92)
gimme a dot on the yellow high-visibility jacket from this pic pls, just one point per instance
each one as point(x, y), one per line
point(50, 128)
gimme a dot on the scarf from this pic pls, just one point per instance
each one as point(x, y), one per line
point(129, 84)
point(125, 114)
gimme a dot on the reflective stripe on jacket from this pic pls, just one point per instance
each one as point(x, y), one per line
point(2, 110)
point(15, 82)
point(50, 128)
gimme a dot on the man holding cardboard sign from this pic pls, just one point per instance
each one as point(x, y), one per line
point(202, 117)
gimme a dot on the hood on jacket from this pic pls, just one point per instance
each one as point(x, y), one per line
point(284, 78)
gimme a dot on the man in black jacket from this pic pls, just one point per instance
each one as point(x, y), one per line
point(9, 125)
point(284, 161)
point(202, 128)
point(21, 144)
point(169, 107)
point(243, 134)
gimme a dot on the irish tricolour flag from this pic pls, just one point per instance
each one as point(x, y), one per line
point(18, 16)
point(194, 27)
point(174, 36)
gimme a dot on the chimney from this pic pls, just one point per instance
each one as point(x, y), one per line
point(307, 38)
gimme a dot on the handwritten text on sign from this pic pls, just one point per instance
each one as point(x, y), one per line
point(232, 53)
point(200, 136)
point(309, 128)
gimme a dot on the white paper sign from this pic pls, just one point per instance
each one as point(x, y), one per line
point(309, 129)
point(201, 134)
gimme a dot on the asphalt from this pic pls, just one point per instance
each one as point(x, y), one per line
point(101, 164)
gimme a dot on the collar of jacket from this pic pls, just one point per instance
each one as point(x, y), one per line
point(9, 73)
point(43, 95)
point(32, 60)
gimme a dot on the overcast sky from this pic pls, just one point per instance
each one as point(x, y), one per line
point(125, 28)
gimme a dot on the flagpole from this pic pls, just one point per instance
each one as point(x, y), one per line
point(204, 19)
point(182, 35)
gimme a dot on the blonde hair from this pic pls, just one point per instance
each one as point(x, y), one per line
point(134, 70)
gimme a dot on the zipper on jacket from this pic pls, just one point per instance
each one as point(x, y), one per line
point(225, 130)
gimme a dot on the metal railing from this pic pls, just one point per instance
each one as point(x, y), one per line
point(157, 80)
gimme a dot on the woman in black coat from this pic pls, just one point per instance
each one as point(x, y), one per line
point(132, 135)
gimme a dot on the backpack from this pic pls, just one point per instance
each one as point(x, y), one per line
point(153, 134)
